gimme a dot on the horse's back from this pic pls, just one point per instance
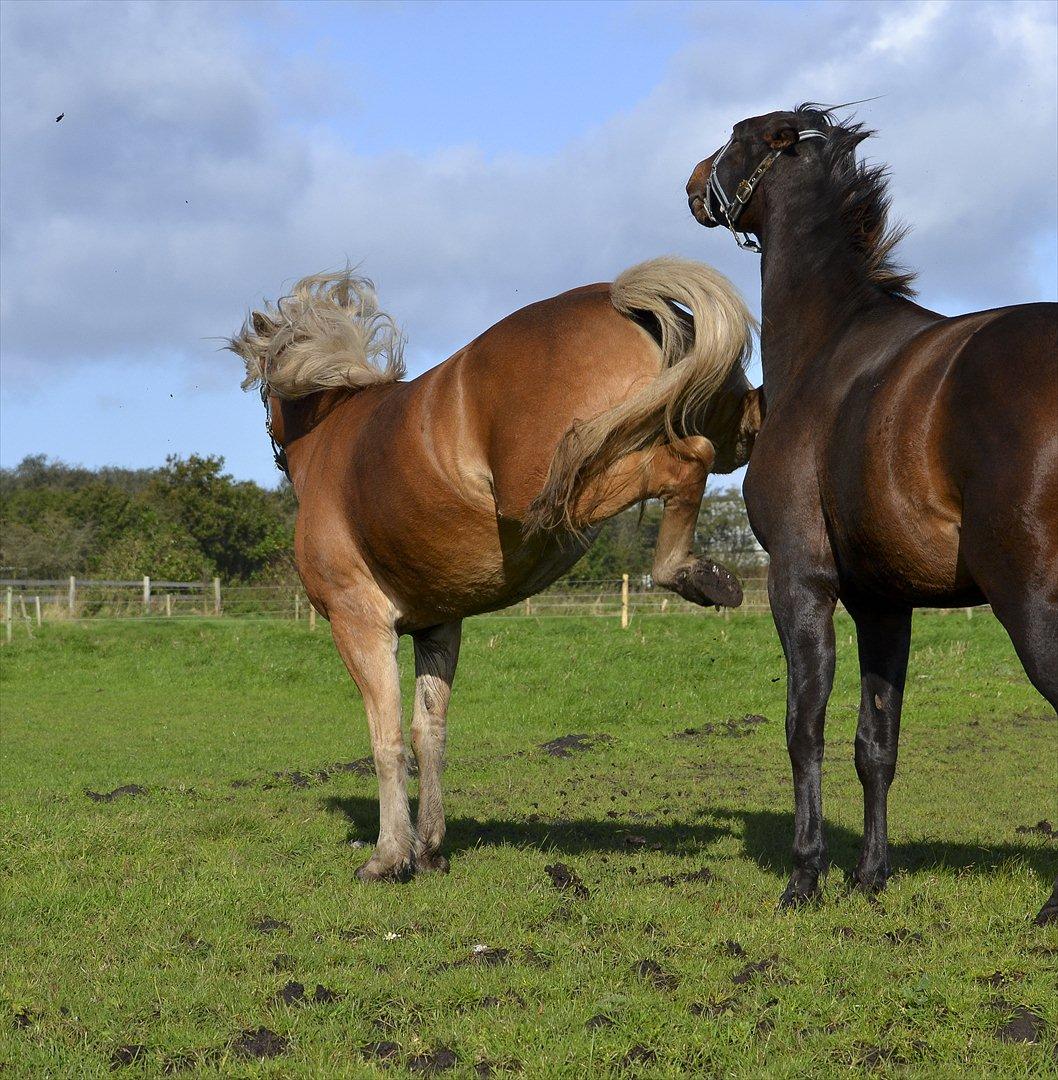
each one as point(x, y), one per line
point(955, 432)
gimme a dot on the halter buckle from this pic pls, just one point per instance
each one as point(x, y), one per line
point(744, 191)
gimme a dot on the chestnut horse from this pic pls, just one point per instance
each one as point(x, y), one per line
point(483, 480)
point(907, 459)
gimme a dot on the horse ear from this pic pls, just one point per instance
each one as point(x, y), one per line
point(781, 137)
point(262, 324)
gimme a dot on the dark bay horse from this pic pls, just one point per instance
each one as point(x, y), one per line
point(906, 459)
point(483, 480)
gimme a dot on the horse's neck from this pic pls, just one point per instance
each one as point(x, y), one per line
point(814, 291)
point(295, 422)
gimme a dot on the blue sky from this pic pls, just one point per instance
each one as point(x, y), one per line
point(473, 157)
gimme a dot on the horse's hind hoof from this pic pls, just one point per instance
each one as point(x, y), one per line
point(432, 863)
point(398, 874)
point(705, 582)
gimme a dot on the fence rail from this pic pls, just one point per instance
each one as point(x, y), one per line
point(29, 603)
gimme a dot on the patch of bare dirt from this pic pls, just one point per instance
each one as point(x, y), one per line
point(567, 745)
point(126, 791)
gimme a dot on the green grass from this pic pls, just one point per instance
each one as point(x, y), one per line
point(133, 921)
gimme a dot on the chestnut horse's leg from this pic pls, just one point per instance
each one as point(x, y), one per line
point(676, 474)
point(884, 640)
point(436, 656)
point(802, 605)
point(369, 648)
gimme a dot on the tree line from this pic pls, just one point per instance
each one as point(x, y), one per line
point(189, 520)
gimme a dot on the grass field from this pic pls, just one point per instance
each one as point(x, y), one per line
point(168, 931)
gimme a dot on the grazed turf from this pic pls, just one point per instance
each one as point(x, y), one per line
point(611, 902)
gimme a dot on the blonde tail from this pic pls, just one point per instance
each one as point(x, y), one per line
point(697, 355)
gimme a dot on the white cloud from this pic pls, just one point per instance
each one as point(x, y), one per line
point(174, 193)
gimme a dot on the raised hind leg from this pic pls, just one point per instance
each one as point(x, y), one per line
point(436, 656)
point(676, 474)
point(362, 627)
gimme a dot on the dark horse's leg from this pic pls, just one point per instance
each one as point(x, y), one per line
point(1032, 622)
point(884, 638)
point(803, 609)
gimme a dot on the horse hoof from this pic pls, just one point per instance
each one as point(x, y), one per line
point(706, 582)
point(799, 892)
point(432, 863)
point(397, 874)
point(1048, 915)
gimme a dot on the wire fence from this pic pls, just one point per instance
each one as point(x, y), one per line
point(29, 603)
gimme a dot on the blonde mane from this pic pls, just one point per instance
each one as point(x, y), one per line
point(329, 332)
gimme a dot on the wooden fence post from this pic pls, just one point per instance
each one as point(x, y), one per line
point(168, 605)
point(297, 605)
point(312, 617)
point(9, 606)
point(528, 606)
point(146, 595)
point(624, 601)
point(216, 596)
point(37, 611)
point(73, 594)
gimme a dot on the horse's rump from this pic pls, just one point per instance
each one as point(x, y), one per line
point(698, 352)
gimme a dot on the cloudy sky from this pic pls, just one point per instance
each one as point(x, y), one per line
point(472, 157)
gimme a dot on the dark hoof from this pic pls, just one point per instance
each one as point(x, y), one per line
point(1048, 914)
point(432, 863)
point(706, 582)
point(803, 889)
point(871, 882)
point(399, 874)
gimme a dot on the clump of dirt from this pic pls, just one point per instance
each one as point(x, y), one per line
point(23, 1019)
point(127, 1055)
point(568, 744)
point(380, 1051)
point(260, 1043)
point(998, 978)
point(699, 877)
point(1041, 828)
point(639, 1055)
point(1023, 1024)
point(656, 975)
point(283, 962)
point(125, 791)
point(732, 948)
point(268, 925)
point(490, 1068)
point(433, 1061)
point(712, 1008)
point(488, 956)
point(730, 729)
point(599, 1020)
point(759, 968)
point(567, 880)
point(195, 943)
point(323, 995)
point(291, 994)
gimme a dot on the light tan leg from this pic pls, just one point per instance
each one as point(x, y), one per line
point(675, 474)
point(436, 656)
point(367, 643)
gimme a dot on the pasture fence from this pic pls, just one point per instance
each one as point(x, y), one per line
point(29, 603)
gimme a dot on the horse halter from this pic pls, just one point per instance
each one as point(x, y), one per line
point(731, 208)
point(278, 452)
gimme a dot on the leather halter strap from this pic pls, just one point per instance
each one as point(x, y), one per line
point(278, 453)
point(728, 210)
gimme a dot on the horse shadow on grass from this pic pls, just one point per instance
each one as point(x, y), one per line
point(766, 838)
point(573, 836)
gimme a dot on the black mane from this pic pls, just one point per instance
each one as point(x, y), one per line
point(861, 193)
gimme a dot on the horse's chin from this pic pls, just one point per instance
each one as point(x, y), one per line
point(699, 212)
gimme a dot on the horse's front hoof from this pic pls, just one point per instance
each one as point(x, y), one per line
point(1048, 915)
point(395, 873)
point(705, 582)
point(870, 881)
point(803, 889)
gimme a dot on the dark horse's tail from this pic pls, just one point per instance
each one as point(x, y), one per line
point(697, 355)
point(329, 332)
